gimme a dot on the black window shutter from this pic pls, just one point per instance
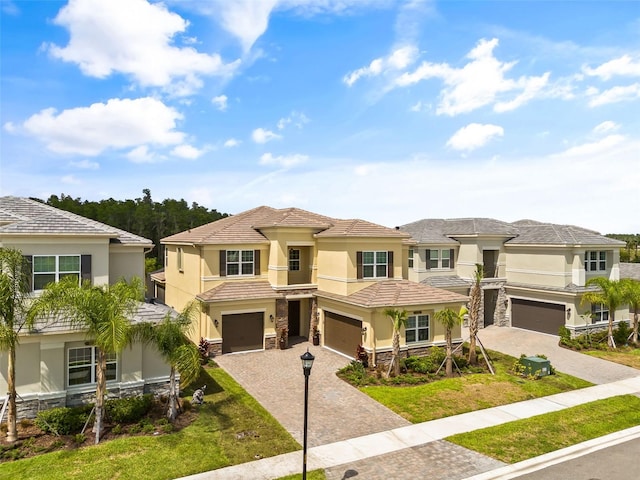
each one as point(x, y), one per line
point(256, 262)
point(451, 262)
point(28, 265)
point(359, 265)
point(389, 264)
point(428, 254)
point(223, 263)
point(85, 267)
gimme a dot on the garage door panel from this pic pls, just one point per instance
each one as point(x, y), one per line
point(242, 332)
point(342, 334)
point(538, 316)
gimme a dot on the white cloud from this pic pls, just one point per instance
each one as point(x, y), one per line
point(142, 154)
point(418, 106)
point(623, 66)
point(85, 164)
point(480, 82)
point(117, 124)
point(284, 161)
point(297, 119)
point(70, 180)
point(232, 142)
point(613, 95)
point(9, 127)
point(397, 60)
point(220, 102)
point(187, 151)
point(261, 135)
point(605, 127)
point(136, 38)
point(474, 135)
point(590, 149)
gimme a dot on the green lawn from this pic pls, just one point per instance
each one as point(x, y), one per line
point(453, 396)
point(208, 443)
point(523, 439)
point(313, 475)
point(624, 355)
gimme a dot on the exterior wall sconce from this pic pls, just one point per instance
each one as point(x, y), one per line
point(271, 318)
point(568, 313)
point(364, 330)
point(215, 322)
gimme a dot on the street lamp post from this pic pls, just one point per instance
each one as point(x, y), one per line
point(307, 362)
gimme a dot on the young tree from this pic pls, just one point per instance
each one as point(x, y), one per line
point(449, 319)
point(475, 300)
point(182, 355)
point(103, 312)
point(14, 300)
point(609, 294)
point(398, 320)
point(631, 295)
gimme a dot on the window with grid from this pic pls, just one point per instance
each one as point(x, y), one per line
point(374, 264)
point(595, 261)
point(53, 268)
point(294, 260)
point(439, 259)
point(411, 258)
point(599, 313)
point(82, 366)
point(239, 262)
point(417, 328)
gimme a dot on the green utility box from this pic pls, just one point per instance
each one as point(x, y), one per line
point(536, 366)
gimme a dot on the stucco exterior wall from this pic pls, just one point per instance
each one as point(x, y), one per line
point(125, 262)
point(540, 266)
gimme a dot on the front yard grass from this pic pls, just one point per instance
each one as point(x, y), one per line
point(624, 355)
point(452, 396)
point(231, 428)
point(523, 439)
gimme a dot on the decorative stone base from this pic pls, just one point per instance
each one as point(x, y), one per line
point(270, 343)
point(215, 348)
point(384, 357)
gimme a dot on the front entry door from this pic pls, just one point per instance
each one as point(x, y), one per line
point(294, 318)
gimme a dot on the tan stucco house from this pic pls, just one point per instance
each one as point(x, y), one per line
point(535, 273)
point(266, 272)
point(56, 366)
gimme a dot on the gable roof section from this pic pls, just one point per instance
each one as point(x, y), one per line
point(397, 293)
point(239, 291)
point(630, 270)
point(23, 216)
point(538, 233)
point(245, 227)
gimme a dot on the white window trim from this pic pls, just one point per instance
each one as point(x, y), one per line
point(375, 264)
point(93, 366)
point(240, 263)
point(57, 271)
point(588, 262)
point(294, 262)
point(411, 260)
point(417, 329)
point(439, 259)
point(180, 259)
point(599, 309)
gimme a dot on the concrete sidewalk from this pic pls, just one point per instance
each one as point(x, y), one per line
point(346, 457)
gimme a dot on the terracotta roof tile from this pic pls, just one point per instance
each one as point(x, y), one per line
point(239, 291)
point(360, 228)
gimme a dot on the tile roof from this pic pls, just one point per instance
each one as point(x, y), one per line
point(630, 270)
point(397, 293)
point(446, 281)
point(522, 232)
point(239, 291)
point(245, 227)
point(23, 216)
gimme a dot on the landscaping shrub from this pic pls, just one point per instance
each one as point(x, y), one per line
point(63, 420)
point(354, 373)
point(621, 333)
point(128, 410)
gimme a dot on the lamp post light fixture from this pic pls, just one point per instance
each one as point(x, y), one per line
point(307, 362)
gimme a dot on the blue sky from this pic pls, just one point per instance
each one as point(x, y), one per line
point(390, 111)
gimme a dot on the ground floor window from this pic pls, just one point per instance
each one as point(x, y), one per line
point(417, 329)
point(599, 313)
point(82, 366)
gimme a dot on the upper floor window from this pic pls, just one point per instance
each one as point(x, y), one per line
point(599, 313)
point(82, 366)
point(239, 262)
point(439, 259)
point(180, 259)
point(53, 268)
point(411, 258)
point(417, 328)
point(294, 260)
point(374, 264)
point(595, 261)
point(166, 257)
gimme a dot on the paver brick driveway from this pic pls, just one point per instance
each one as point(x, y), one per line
point(337, 411)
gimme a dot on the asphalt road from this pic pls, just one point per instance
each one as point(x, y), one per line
point(619, 462)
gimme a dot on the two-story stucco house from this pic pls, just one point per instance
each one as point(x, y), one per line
point(265, 271)
point(56, 366)
point(535, 273)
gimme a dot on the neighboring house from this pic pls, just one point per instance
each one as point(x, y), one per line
point(535, 273)
point(56, 366)
point(268, 272)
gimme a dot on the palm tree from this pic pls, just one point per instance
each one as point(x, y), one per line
point(398, 320)
point(169, 337)
point(449, 319)
point(103, 312)
point(475, 300)
point(631, 294)
point(610, 294)
point(14, 295)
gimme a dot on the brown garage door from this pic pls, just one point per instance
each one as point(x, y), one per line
point(341, 333)
point(538, 316)
point(242, 331)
